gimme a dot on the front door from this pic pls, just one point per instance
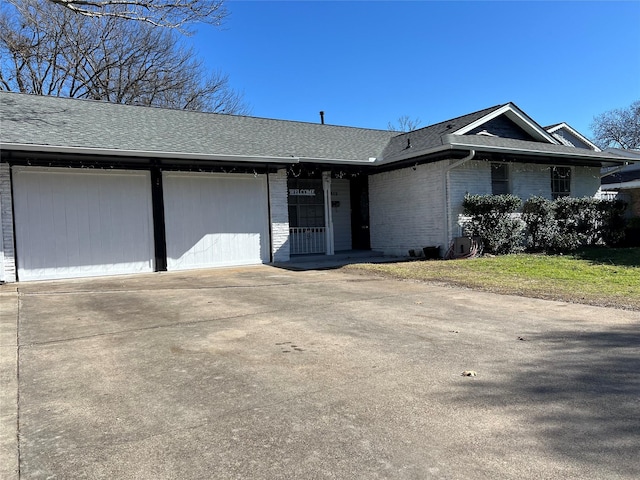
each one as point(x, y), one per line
point(360, 238)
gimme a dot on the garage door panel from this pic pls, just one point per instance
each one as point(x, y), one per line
point(215, 220)
point(76, 223)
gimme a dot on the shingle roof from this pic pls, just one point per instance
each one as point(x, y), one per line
point(114, 129)
point(431, 136)
point(41, 120)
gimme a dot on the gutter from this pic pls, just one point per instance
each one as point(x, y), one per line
point(337, 161)
point(180, 155)
point(419, 153)
point(447, 209)
point(593, 156)
point(147, 154)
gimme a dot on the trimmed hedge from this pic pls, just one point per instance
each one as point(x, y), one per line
point(492, 220)
point(562, 225)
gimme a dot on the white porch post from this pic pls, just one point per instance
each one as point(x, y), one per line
point(328, 216)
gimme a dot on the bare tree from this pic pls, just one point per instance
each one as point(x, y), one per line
point(618, 128)
point(46, 50)
point(404, 124)
point(178, 14)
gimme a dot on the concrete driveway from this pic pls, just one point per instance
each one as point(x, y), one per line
point(265, 373)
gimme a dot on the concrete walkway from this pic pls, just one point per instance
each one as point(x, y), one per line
point(267, 373)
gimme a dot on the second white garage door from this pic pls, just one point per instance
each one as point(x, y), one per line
point(215, 220)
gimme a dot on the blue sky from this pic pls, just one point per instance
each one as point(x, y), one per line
point(366, 63)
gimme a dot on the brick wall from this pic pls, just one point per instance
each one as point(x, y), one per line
point(585, 181)
point(472, 177)
point(406, 209)
point(407, 206)
point(279, 216)
point(7, 256)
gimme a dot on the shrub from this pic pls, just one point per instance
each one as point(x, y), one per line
point(575, 220)
point(541, 225)
point(492, 220)
point(612, 222)
point(588, 221)
point(565, 224)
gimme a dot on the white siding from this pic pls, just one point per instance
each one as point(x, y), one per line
point(280, 246)
point(407, 209)
point(7, 257)
point(80, 223)
point(215, 220)
point(340, 192)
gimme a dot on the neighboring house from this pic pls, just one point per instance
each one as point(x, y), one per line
point(91, 188)
point(624, 182)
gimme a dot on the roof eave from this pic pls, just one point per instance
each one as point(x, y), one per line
point(601, 160)
point(103, 152)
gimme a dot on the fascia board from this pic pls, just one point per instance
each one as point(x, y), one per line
point(514, 114)
point(146, 154)
point(611, 161)
point(417, 154)
point(337, 161)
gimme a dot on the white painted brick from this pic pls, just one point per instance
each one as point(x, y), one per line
point(407, 205)
point(279, 216)
point(473, 177)
point(406, 209)
point(7, 254)
point(585, 181)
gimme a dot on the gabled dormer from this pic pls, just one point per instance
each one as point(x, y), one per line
point(508, 121)
point(571, 137)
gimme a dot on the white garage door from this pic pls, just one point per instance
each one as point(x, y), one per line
point(81, 223)
point(215, 220)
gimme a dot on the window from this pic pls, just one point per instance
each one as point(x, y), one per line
point(499, 179)
point(560, 182)
point(306, 202)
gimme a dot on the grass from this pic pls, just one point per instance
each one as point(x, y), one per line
point(604, 277)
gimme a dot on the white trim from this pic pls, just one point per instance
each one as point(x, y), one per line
point(517, 116)
point(575, 133)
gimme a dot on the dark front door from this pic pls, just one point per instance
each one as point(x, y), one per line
point(360, 239)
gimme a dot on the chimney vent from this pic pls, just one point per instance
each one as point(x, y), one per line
point(322, 117)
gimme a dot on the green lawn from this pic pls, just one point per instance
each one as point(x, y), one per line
point(606, 277)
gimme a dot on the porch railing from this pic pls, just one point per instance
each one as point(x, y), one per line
point(307, 240)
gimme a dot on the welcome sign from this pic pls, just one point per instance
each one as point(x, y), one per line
point(302, 192)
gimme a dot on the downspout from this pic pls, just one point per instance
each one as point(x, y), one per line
point(447, 210)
